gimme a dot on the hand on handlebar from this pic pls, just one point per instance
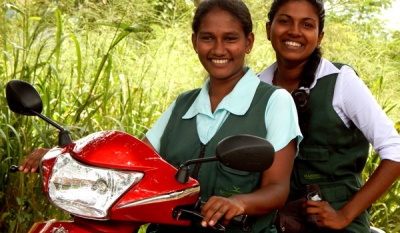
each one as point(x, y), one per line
point(31, 163)
point(217, 208)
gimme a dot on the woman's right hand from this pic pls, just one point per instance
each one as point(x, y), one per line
point(221, 208)
point(31, 163)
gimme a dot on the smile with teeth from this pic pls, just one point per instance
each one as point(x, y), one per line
point(292, 43)
point(219, 61)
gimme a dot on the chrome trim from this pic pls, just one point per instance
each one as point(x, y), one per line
point(165, 197)
point(60, 229)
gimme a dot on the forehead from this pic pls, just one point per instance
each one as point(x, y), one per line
point(298, 9)
point(221, 20)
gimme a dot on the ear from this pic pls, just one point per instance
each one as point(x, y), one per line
point(194, 42)
point(249, 42)
point(268, 29)
point(320, 37)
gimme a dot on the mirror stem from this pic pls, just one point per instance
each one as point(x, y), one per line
point(182, 176)
point(48, 120)
point(202, 160)
point(63, 136)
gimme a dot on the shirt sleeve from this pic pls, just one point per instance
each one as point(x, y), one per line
point(281, 120)
point(357, 104)
point(155, 133)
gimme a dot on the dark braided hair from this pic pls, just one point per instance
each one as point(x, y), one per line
point(235, 7)
point(307, 76)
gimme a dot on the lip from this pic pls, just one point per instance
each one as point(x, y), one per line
point(219, 60)
point(291, 44)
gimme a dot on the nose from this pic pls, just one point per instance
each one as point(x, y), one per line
point(219, 48)
point(294, 30)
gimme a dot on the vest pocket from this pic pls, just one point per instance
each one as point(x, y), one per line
point(230, 181)
point(312, 165)
point(337, 195)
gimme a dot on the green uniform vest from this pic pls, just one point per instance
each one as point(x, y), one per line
point(331, 155)
point(180, 142)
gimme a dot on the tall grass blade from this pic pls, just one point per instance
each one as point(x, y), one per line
point(78, 58)
point(58, 36)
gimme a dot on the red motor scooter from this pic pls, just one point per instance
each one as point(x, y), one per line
point(110, 181)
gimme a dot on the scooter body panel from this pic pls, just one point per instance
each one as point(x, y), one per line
point(153, 199)
point(84, 226)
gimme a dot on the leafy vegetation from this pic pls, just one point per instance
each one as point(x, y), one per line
point(107, 64)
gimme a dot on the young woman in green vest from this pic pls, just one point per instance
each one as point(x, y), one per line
point(338, 117)
point(231, 101)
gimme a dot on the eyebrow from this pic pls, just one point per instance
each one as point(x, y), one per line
point(292, 17)
point(226, 33)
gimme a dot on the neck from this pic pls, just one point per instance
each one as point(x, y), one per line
point(287, 76)
point(219, 89)
point(288, 80)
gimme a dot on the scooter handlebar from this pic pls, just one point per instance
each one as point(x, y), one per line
point(244, 222)
point(14, 168)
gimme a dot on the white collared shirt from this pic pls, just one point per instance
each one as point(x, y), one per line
point(353, 102)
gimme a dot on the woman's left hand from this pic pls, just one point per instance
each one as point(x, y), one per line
point(220, 207)
point(326, 215)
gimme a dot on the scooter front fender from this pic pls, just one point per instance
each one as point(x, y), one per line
point(83, 226)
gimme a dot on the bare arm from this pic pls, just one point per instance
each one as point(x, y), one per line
point(383, 177)
point(275, 186)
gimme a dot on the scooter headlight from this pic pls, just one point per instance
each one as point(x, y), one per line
point(85, 190)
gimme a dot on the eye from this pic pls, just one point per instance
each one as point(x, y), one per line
point(206, 38)
point(308, 25)
point(231, 39)
point(284, 21)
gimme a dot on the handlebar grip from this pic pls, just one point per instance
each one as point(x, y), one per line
point(185, 214)
point(244, 222)
point(14, 168)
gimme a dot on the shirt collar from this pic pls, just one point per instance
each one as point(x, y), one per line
point(325, 68)
point(236, 102)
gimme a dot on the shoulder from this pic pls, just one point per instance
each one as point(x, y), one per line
point(267, 91)
point(328, 68)
point(268, 73)
point(263, 85)
point(346, 73)
point(282, 95)
point(339, 67)
point(188, 94)
point(344, 76)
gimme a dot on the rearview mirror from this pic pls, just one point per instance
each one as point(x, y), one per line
point(22, 98)
point(241, 152)
point(246, 153)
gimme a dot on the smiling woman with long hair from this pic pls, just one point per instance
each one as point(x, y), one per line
point(338, 117)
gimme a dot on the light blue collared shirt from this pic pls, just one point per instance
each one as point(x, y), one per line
point(281, 119)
